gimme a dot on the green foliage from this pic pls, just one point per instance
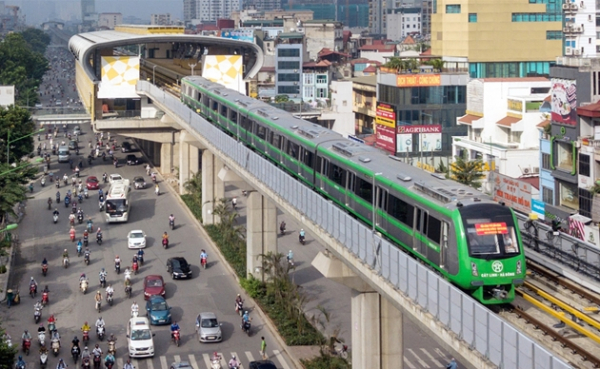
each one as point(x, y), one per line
point(442, 168)
point(595, 188)
point(7, 353)
point(467, 172)
point(194, 207)
point(253, 286)
point(408, 65)
point(18, 121)
point(437, 64)
point(12, 187)
point(233, 250)
point(282, 98)
point(326, 361)
point(37, 39)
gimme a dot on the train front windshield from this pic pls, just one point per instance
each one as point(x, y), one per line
point(490, 231)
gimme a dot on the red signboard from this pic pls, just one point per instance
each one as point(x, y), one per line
point(430, 128)
point(386, 138)
point(487, 229)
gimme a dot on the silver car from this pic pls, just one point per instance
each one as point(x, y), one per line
point(208, 327)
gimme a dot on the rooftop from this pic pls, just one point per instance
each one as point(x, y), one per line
point(379, 48)
point(515, 79)
point(366, 80)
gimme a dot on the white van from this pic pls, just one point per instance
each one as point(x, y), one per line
point(63, 154)
point(139, 338)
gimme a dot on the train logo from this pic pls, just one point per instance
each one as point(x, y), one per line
point(497, 266)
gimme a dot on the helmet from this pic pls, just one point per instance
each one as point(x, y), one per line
point(32, 278)
point(99, 318)
point(85, 348)
point(233, 357)
point(26, 331)
point(246, 312)
point(102, 269)
point(238, 295)
point(82, 275)
point(116, 256)
point(215, 353)
point(99, 229)
point(20, 357)
point(85, 323)
point(97, 293)
point(65, 250)
point(42, 324)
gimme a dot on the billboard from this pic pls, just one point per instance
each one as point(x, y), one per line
point(404, 143)
point(240, 34)
point(564, 101)
point(226, 70)
point(515, 194)
point(386, 138)
point(418, 80)
point(385, 115)
point(119, 76)
point(430, 137)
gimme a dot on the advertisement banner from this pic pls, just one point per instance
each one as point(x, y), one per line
point(240, 34)
point(386, 138)
point(564, 101)
point(417, 80)
point(385, 115)
point(430, 142)
point(404, 143)
point(119, 74)
point(430, 128)
point(538, 207)
point(226, 70)
point(514, 193)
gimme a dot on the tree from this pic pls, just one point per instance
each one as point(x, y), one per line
point(37, 39)
point(7, 353)
point(18, 122)
point(12, 188)
point(194, 187)
point(282, 98)
point(437, 64)
point(467, 172)
point(394, 63)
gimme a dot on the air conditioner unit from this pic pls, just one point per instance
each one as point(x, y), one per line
point(576, 52)
point(535, 170)
point(574, 7)
point(566, 6)
point(568, 51)
point(526, 170)
point(567, 29)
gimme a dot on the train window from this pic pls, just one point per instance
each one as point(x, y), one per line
point(308, 157)
point(382, 202)
point(292, 149)
point(246, 123)
point(363, 189)
point(325, 167)
point(215, 106)
point(434, 230)
point(337, 174)
point(199, 98)
point(233, 116)
point(261, 131)
point(224, 110)
point(490, 230)
point(400, 210)
point(276, 140)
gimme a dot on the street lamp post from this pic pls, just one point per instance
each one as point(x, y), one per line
point(153, 79)
point(38, 160)
point(9, 227)
point(8, 142)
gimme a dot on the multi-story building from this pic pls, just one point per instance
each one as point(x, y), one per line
point(364, 97)
point(321, 34)
point(289, 56)
point(403, 22)
point(511, 38)
point(426, 10)
point(502, 118)
point(353, 13)
point(262, 5)
point(160, 19)
point(190, 11)
point(377, 16)
point(316, 77)
point(253, 14)
point(195, 11)
point(88, 12)
point(109, 20)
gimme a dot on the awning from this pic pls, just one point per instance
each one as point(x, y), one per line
point(468, 119)
point(591, 110)
point(508, 121)
point(543, 124)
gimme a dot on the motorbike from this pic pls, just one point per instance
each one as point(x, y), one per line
point(109, 364)
point(57, 183)
point(49, 203)
point(86, 337)
point(172, 224)
point(99, 306)
point(85, 193)
point(246, 327)
point(90, 226)
point(301, 238)
point(109, 298)
point(44, 269)
point(99, 238)
point(37, 315)
point(43, 181)
point(45, 299)
point(97, 361)
point(135, 267)
point(79, 249)
point(51, 327)
point(43, 359)
point(140, 260)
point(32, 290)
point(80, 218)
point(216, 364)
point(55, 218)
point(101, 206)
point(67, 201)
point(58, 197)
point(80, 198)
point(118, 268)
point(176, 337)
point(86, 258)
point(85, 241)
point(165, 243)
point(26, 345)
point(42, 338)
point(112, 347)
point(85, 363)
point(104, 179)
point(239, 307)
point(55, 346)
point(83, 286)
point(282, 228)
point(66, 262)
point(101, 333)
point(128, 291)
point(203, 262)
point(102, 281)
point(75, 353)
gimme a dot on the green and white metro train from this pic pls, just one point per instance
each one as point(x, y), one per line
point(469, 239)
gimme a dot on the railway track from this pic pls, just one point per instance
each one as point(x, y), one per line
point(560, 314)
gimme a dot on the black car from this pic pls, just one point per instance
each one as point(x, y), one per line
point(126, 147)
point(132, 160)
point(262, 364)
point(73, 145)
point(179, 268)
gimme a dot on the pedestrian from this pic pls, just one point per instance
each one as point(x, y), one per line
point(9, 297)
point(452, 364)
point(263, 349)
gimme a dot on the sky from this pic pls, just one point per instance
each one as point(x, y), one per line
point(39, 11)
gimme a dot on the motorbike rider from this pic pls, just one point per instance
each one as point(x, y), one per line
point(56, 336)
point(156, 189)
point(38, 305)
point(65, 254)
point(41, 329)
point(72, 219)
point(20, 362)
point(86, 353)
point(85, 327)
point(55, 213)
point(99, 323)
point(79, 245)
point(165, 238)
point(216, 356)
point(26, 336)
point(109, 290)
point(127, 275)
point(61, 364)
point(98, 298)
point(44, 262)
point(43, 350)
point(33, 283)
point(99, 233)
point(174, 327)
point(140, 254)
point(82, 278)
point(171, 219)
point(134, 309)
point(203, 255)
point(301, 235)
point(97, 351)
point(52, 320)
point(282, 226)
point(234, 363)
point(109, 359)
point(75, 342)
point(128, 365)
point(102, 274)
point(290, 257)
point(86, 253)
point(239, 303)
point(245, 317)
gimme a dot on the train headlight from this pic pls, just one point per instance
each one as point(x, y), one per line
point(474, 270)
point(519, 267)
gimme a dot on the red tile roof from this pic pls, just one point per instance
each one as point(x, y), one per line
point(508, 121)
point(326, 51)
point(426, 53)
point(267, 69)
point(409, 41)
point(380, 48)
point(591, 110)
point(543, 123)
point(533, 181)
point(468, 119)
point(359, 61)
point(370, 69)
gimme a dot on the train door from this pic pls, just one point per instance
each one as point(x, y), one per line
point(444, 244)
point(420, 231)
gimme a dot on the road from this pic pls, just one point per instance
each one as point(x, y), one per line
point(212, 289)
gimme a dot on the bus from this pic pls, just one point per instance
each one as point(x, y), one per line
point(118, 202)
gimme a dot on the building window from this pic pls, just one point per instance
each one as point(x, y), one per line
point(537, 17)
point(288, 52)
point(584, 165)
point(321, 78)
point(309, 79)
point(568, 195)
point(453, 9)
point(554, 35)
point(546, 161)
point(321, 92)
point(547, 195)
point(515, 137)
point(288, 77)
point(309, 92)
point(565, 156)
point(472, 17)
point(293, 90)
point(288, 65)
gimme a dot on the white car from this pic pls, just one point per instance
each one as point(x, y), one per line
point(114, 177)
point(136, 239)
point(139, 338)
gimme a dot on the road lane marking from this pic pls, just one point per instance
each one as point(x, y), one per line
point(249, 356)
point(223, 360)
point(281, 359)
point(150, 364)
point(163, 362)
point(177, 358)
point(421, 362)
point(410, 365)
point(193, 362)
point(207, 360)
point(435, 361)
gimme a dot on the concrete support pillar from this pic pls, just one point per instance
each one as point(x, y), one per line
point(166, 157)
point(188, 161)
point(213, 188)
point(377, 333)
point(261, 232)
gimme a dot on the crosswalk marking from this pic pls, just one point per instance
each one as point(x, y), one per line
point(441, 354)
point(432, 358)
point(222, 359)
point(177, 358)
point(135, 363)
point(421, 362)
point(119, 362)
point(206, 360)
point(163, 362)
point(281, 360)
point(238, 358)
point(249, 356)
point(193, 362)
point(410, 365)
point(150, 365)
